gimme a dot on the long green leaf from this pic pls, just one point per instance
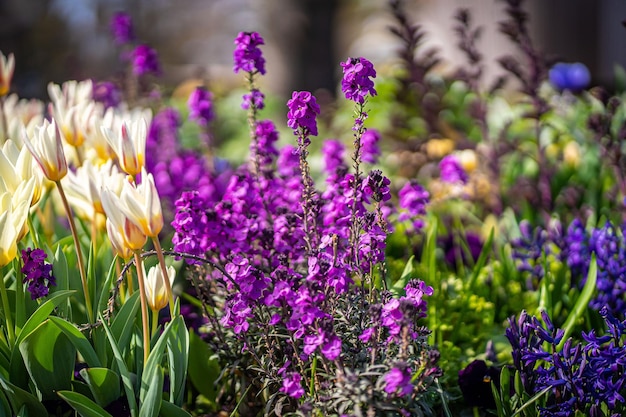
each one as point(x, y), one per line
point(83, 405)
point(398, 286)
point(103, 383)
point(154, 359)
point(19, 398)
point(532, 400)
point(42, 313)
point(482, 259)
point(178, 360)
point(79, 341)
point(123, 323)
point(151, 402)
point(170, 410)
point(61, 273)
point(583, 301)
point(121, 365)
point(205, 370)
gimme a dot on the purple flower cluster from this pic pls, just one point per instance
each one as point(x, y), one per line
point(303, 111)
point(254, 99)
point(145, 61)
point(107, 93)
point(37, 273)
point(370, 150)
point(451, 170)
point(413, 199)
point(582, 376)
point(200, 105)
point(121, 26)
point(357, 83)
point(247, 55)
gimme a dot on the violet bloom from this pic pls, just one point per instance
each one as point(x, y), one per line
point(398, 381)
point(254, 98)
point(356, 83)
point(303, 110)
point(452, 171)
point(200, 105)
point(37, 273)
point(376, 186)
point(574, 77)
point(369, 146)
point(333, 151)
point(107, 93)
point(413, 199)
point(145, 61)
point(247, 55)
point(292, 386)
point(122, 28)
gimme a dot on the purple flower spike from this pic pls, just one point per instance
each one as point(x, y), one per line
point(247, 55)
point(398, 381)
point(201, 106)
point(145, 61)
point(122, 28)
point(356, 83)
point(37, 273)
point(303, 110)
point(255, 99)
point(107, 93)
point(370, 150)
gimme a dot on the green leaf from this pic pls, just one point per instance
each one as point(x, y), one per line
point(61, 273)
point(83, 405)
point(482, 259)
point(42, 313)
point(178, 359)
point(532, 400)
point(153, 397)
point(122, 325)
point(49, 357)
point(79, 341)
point(18, 398)
point(121, 365)
point(582, 302)
point(151, 367)
point(170, 410)
point(103, 383)
point(108, 283)
point(204, 368)
point(398, 286)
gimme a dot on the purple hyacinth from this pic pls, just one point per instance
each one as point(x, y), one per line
point(356, 83)
point(200, 105)
point(37, 273)
point(107, 93)
point(247, 55)
point(370, 150)
point(413, 199)
point(451, 170)
point(122, 28)
point(303, 110)
point(254, 98)
point(145, 61)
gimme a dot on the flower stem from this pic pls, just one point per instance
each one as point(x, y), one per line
point(166, 279)
point(144, 308)
point(79, 252)
point(7, 312)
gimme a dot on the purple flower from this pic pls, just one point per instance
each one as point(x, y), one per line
point(333, 151)
point(37, 273)
point(332, 348)
point(451, 170)
point(398, 381)
point(376, 186)
point(356, 83)
point(122, 28)
point(303, 110)
point(369, 146)
point(292, 386)
point(254, 98)
point(413, 199)
point(200, 105)
point(247, 55)
point(145, 61)
point(107, 93)
point(475, 383)
point(264, 146)
point(574, 77)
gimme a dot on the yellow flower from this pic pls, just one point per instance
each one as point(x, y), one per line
point(468, 160)
point(117, 241)
point(47, 148)
point(571, 154)
point(13, 214)
point(129, 143)
point(16, 166)
point(438, 148)
point(7, 65)
point(121, 230)
point(141, 204)
point(156, 292)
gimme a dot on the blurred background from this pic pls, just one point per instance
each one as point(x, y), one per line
point(57, 40)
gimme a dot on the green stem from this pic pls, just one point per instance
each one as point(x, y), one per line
point(312, 382)
point(7, 313)
point(20, 311)
point(155, 322)
point(144, 308)
point(166, 279)
point(33, 233)
point(79, 252)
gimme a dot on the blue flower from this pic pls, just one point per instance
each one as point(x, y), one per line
point(574, 77)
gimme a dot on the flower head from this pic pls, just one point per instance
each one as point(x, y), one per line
point(7, 66)
point(255, 98)
point(140, 204)
point(47, 149)
point(37, 273)
point(370, 151)
point(107, 93)
point(398, 381)
point(145, 61)
point(574, 77)
point(123, 233)
point(247, 55)
point(13, 212)
point(201, 106)
point(156, 291)
point(303, 110)
point(129, 143)
point(451, 170)
point(356, 83)
point(122, 28)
